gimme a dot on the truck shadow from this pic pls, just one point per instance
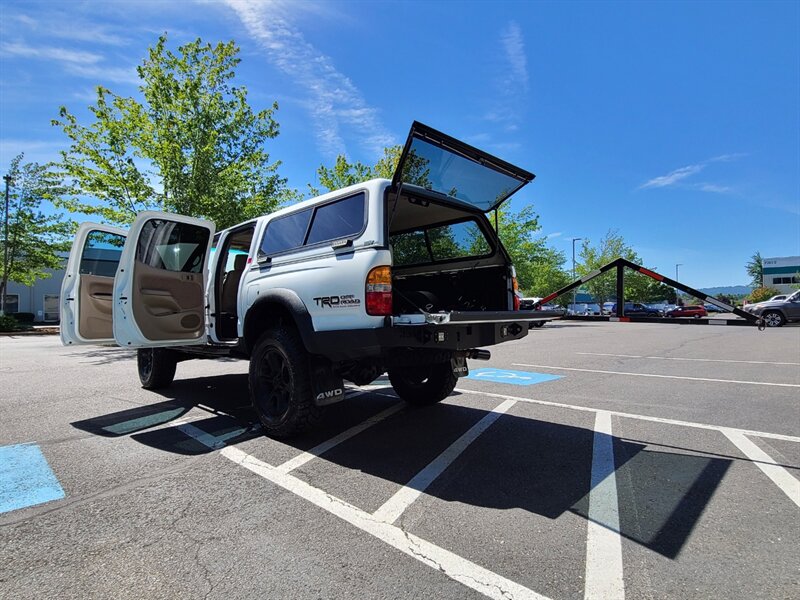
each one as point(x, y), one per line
point(517, 463)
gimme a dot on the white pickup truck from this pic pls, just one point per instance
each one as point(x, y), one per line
point(404, 276)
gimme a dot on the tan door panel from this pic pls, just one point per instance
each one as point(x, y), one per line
point(167, 304)
point(95, 307)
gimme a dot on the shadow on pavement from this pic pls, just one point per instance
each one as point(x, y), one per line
point(518, 462)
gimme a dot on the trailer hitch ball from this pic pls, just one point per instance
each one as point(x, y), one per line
point(479, 354)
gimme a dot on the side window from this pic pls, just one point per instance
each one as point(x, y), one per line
point(286, 232)
point(101, 253)
point(337, 220)
point(172, 246)
point(340, 219)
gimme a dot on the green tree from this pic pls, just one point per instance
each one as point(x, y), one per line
point(755, 269)
point(344, 173)
point(638, 287)
point(540, 268)
point(191, 145)
point(762, 294)
point(36, 240)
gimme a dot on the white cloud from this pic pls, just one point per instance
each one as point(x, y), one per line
point(64, 55)
point(511, 83)
point(554, 235)
point(335, 103)
point(67, 26)
point(673, 177)
point(514, 46)
point(677, 177)
point(76, 62)
point(714, 188)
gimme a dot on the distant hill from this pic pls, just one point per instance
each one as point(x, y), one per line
point(728, 290)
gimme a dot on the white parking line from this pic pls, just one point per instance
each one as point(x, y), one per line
point(791, 385)
point(764, 434)
point(397, 504)
point(316, 451)
point(779, 476)
point(717, 360)
point(603, 543)
point(453, 566)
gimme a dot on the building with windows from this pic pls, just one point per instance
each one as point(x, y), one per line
point(41, 298)
point(782, 273)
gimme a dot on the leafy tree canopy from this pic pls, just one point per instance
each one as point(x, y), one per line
point(35, 239)
point(191, 145)
point(762, 294)
point(638, 287)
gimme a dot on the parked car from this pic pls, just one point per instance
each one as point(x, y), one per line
point(711, 308)
point(635, 309)
point(688, 311)
point(778, 297)
point(777, 312)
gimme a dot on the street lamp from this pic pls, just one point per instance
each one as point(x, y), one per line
point(676, 279)
point(7, 179)
point(575, 291)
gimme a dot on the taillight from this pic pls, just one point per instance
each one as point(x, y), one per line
point(379, 291)
point(515, 287)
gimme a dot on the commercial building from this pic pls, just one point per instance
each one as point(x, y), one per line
point(782, 273)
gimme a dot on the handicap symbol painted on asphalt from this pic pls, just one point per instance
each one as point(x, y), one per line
point(512, 377)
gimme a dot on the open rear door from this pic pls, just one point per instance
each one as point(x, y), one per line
point(159, 291)
point(455, 171)
point(86, 291)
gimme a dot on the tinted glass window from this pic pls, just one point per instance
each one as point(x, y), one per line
point(337, 220)
point(434, 168)
point(286, 232)
point(172, 246)
point(101, 253)
point(436, 244)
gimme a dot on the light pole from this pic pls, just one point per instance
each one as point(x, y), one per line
point(676, 279)
point(7, 179)
point(575, 291)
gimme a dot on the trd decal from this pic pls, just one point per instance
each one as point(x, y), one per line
point(345, 301)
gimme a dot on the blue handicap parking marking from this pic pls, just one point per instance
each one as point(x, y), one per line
point(25, 478)
point(513, 377)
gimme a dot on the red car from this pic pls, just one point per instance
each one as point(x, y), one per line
point(688, 311)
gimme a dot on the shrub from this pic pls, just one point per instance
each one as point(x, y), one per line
point(761, 294)
point(8, 323)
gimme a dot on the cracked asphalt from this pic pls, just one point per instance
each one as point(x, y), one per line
point(151, 511)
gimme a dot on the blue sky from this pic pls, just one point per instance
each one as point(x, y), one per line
point(676, 123)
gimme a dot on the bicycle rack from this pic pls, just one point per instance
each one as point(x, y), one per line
point(620, 265)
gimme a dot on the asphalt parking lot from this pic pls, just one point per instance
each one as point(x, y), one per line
point(595, 460)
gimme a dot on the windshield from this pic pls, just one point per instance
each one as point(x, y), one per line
point(439, 163)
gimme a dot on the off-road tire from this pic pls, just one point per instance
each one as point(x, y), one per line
point(156, 367)
point(280, 384)
point(423, 385)
point(773, 318)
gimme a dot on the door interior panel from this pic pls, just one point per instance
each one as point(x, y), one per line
point(167, 304)
point(94, 322)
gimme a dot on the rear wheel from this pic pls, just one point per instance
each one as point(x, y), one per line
point(423, 385)
point(280, 385)
point(774, 319)
point(156, 367)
